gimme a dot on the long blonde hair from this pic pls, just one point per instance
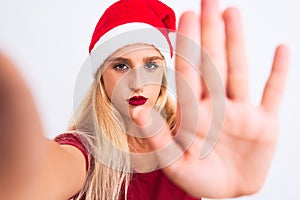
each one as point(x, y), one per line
point(102, 130)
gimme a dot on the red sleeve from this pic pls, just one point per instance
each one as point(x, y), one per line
point(74, 140)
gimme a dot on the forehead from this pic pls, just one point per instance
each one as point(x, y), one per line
point(136, 50)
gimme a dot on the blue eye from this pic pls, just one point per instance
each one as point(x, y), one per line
point(120, 67)
point(151, 66)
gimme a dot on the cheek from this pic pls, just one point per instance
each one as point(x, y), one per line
point(107, 88)
point(115, 88)
point(154, 77)
point(153, 91)
point(110, 84)
point(155, 86)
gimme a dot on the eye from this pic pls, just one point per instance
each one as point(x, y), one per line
point(120, 67)
point(151, 66)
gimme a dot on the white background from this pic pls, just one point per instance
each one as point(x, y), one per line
point(49, 41)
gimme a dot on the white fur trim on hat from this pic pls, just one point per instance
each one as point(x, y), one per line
point(125, 34)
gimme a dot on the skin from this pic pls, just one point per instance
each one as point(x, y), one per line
point(26, 162)
point(239, 161)
point(136, 70)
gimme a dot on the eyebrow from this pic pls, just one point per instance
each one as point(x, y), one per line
point(127, 60)
point(150, 59)
point(122, 59)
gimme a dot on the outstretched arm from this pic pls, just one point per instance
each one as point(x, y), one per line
point(31, 166)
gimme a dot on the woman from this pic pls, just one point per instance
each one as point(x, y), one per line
point(112, 130)
point(131, 73)
point(117, 89)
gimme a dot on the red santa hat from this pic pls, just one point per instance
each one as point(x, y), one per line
point(132, 21)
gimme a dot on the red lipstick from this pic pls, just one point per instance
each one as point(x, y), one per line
point(137, 100)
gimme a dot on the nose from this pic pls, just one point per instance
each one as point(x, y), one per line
point(136, 79)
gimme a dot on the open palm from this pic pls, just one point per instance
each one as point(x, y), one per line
point(235, 140)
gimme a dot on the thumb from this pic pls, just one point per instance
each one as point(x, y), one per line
point(149, 123)
point(154, 128)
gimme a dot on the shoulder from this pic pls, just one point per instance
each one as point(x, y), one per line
point(72, 141)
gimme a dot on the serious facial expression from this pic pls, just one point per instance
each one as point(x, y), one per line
point(133, 76)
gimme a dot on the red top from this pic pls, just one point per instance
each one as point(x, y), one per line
point(143, 186)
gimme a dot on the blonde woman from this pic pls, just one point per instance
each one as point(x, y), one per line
point(128, 139)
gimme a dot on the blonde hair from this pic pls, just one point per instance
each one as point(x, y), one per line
point(102, 130)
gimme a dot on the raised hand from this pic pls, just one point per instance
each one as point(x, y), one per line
point(238, 163)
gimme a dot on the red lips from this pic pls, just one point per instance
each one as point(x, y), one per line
point(137, 100)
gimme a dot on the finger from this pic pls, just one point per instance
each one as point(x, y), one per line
point(188, 76)
point(237, 83)
point(275, 85)
point(212, 37)
point(187, 57)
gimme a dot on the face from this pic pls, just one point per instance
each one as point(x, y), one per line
point(132, 77)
